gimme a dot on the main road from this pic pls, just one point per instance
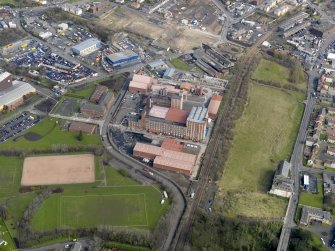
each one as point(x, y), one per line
point(296, 162)
point(297, 155)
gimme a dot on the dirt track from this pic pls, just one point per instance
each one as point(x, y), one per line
point(58, 169)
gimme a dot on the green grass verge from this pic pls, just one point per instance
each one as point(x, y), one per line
point(52, 134)
point(268, 70)
point(180, 64)
point(316, 243)
point(264, 135)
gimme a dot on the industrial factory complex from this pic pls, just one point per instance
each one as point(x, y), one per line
point(178, 115)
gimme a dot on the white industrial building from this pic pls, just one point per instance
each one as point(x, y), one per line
point(306, 181)
point(45, 35)
point(88, 46)
point(13, 96)
point(63, 26)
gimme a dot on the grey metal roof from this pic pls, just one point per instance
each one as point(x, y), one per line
point(13, 93)
point(4, 75)
point(169, 72)
point(197, 114)
point(85, 44)
point(157, 63)
point(121, 55)
point(284, 169)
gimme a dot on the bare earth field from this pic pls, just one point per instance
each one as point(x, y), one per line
point(58, 169)
point(178, 37)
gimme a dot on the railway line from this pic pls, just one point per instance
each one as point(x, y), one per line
point(214, 144)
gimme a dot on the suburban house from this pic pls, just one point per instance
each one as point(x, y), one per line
point(312, 213)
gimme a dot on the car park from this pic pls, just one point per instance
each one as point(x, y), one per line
point(17, 125)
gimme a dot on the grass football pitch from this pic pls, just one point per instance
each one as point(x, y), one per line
point(129, 206)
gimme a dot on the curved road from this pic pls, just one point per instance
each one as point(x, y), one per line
point(172, 187)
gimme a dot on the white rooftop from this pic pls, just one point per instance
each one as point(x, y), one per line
point(331, 56)
point(4, 75)
point(15, 92)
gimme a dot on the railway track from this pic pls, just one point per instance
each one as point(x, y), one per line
point(214, 144)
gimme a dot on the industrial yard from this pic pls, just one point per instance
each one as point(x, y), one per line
point(177, 37)
point(176, 118)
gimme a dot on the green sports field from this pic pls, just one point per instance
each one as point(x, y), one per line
point(124, 206)
point(10, 173)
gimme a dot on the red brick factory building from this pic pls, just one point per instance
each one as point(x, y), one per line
point(214, 106)
point(164, 111)
point(166, 159)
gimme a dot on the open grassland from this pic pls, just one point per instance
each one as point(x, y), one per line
point(180, 64)
point(268, 70)
point(51, 134)
point(114, 84)
point(124, 206)
point(264, 135)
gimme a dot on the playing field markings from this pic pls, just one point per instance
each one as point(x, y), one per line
point(145, 208)
point(106, 195)
point(13, 180)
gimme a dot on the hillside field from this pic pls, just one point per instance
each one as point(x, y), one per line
point(263, 136)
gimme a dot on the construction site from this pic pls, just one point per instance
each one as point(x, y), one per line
point(178, 36)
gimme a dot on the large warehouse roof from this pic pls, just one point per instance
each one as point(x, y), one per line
point(15, 92)
point(197, 114)
point(214, 104)
point(86, 44)
point(159, 151)
point(142, 78)
point(4, 76)
point(122, 56)
point(172, 163)
point(172, 144)
point(158, 112)
point(331, 56)
point(139, 85)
